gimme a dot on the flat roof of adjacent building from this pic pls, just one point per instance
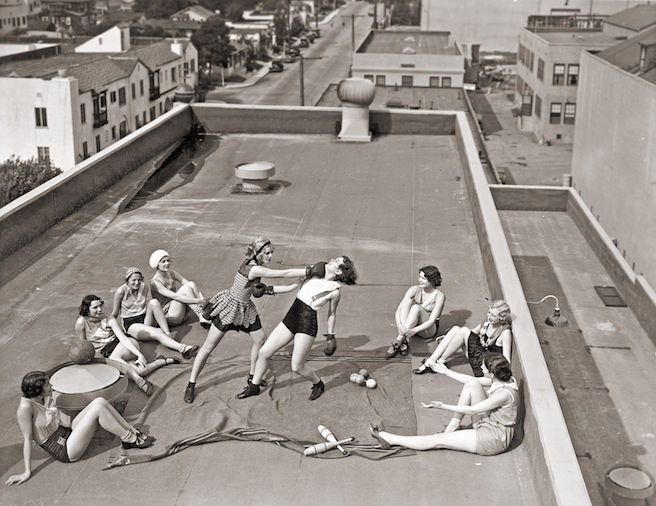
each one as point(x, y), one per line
point(408, 42)
point(581, 38)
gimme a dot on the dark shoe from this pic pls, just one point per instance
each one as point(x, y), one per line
point(331, 346)
point(404, 349)
point(206, 324)
point(263, 382)
point(249, 391)
point(168, 360)
point(317, 390)
point(374, 430)
point(190, 352)
point(139, 444)
point(190, 395)
point(147, 388)
point(423, 369)
point(392, 350)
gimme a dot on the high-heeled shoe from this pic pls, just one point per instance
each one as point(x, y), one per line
point(374, 430)
point(423, 369)
point(393, 350)
point(168, 360)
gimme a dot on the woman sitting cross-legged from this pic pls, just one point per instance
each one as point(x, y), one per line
point(40, 421)
point(493, 412)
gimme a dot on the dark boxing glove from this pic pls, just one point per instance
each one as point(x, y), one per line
point(260, 289)
point(331, 344)
point(317, 270)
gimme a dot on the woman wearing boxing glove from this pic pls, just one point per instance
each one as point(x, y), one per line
point(233, 309)
point(300, 324)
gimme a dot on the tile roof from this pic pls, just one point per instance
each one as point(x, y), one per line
point(636, 18)
point(96, 75)
point(153, 56)
point(626, 55)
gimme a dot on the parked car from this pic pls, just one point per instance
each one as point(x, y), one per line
point(293, 51)
point(287, 58)
point(276, 66)
point(304, 42)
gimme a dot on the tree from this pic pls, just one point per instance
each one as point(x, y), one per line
point(17, 177)
point(161, 8)
point(212, 42)
point(280, 25)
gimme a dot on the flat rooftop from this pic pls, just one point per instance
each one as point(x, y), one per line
point(408, 42)
point(577, 38)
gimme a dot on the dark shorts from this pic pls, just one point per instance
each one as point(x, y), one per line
point(55, 445)
point(476, 353)
point(225, 327)
point(301, 319)
point(133, 319)
point(107, 350)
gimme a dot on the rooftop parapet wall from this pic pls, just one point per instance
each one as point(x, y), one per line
point(27, 217)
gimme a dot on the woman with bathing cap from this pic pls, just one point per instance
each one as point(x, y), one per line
point(109, 340)
point(233, 309)
point(139, 310)
point(494, 413)
point(41, 421)
point(174, 292)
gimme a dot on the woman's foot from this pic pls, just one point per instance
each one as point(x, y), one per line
point(189, 352)
point(249, 391)
point(423, 369)
point(190, 394)
point(147, 387)
point(317, 390)
point(393, 350)
point(404, 349)
point(168, 360)
point(375, 432)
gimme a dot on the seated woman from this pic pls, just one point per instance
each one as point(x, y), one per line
point(493, 335)
point(174, 292)
point(494, 413)
point(419, 311)
point(40, 421)
point(110, 341)
point(138, 311)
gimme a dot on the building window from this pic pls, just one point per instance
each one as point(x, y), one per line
point(570, 114)
point(556, 110)
point(141, 88)
point(531, 59)
point(136, 121)
point(521, 53)
point(407, 65)
point(193, 66)
point(112, 97)
point(407, 81)
point(370, 77)
point(153, 113)
point(572, 75)
point(434, 82)
point(134, 91)
point(83, 113)
point(380, 80)
point(161, 107)
point(41, 116)
point(98, 147)
point(559, 74)
point(123, 129)
point(121, 96)
point(527, 105)
point(85, 150)
point(173, 78)
point(538, 106)
point(113, 132)
point(446, 82)
point(44, 154)
point(540, 69)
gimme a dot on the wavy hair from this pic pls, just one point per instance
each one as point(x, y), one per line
point(497, 364)
point(348, 275)
point(86, 304)
point(33, 383)
point(432, 274)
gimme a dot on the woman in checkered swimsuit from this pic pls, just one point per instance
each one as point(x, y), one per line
point(233, 309)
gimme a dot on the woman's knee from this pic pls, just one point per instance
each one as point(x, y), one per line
point(154, 304)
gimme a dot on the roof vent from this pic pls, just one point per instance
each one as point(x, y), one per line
point(62, 72)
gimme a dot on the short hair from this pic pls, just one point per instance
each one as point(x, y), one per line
point(33, 383)
point(497, 364)
point(349, 275)
point(504, 311)
point(257, 246)
point(432, 274)
point(86, 304)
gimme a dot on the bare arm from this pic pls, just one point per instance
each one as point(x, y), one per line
point(259, 271)
point(403, 307)
point(125, 340)
point(458, 376)
point(494, 401)
point(24, 415)
point(435, 314)
point(507, 339)
point(118, 297)
point(157, 285)
point(286, 288)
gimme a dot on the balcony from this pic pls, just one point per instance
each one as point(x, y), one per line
point(99, 119)
point(154, 92)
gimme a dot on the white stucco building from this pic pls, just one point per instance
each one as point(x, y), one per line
point(14, 14)
point(70, 106)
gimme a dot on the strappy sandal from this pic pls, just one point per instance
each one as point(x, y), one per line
point(190, 352)
point(147, 388)
point(423, 369)
point(168, 360)
point(393, 350)
point(404, 349)
point(374, 430)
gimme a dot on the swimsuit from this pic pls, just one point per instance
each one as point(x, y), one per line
point(428, 305)
point(133, 308)
point(48, 432)
point(302, 316)
point(233, 309)
point(101, 335)
point(480, 344)
point(495, 429)
point(171, 284)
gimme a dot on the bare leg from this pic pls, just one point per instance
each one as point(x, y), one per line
point(454, 339)
point(155, 314)
point(144, 332)
point(259, 337)
point(280, 337)
point(472, 393)
point(302, 346)
point(213, 338)
point(178, 310)
point(98, 412)
point(463, 440)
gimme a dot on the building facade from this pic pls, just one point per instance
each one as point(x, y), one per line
point(69, 15)
point(67, 108)
point(409, 58)
point(548, 73)
point(614, 157)
point(15, 14)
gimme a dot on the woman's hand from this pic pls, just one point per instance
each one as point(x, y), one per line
point(410, 332)
point(439, 367)
point(140, 361)
point(432, 404)
point(17, 479)
point(401, 328)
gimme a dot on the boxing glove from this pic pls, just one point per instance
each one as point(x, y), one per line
point(260, 289)
point(317, 270)
point(331, 344)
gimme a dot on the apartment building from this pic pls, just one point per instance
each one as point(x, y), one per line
point(72, 105)
point(69, 15)
point(409, 58)
point(614, 155)
point(548, 72)
point(15, 14)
